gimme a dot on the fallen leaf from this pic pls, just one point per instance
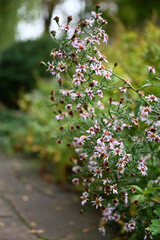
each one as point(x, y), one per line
point(2, 224)
point(48, 191)
point(58, 208)
point(40, 231)
point(25, 198)
point(85, 230)
point(71, 223)
point(33, 231)
point(32, 224)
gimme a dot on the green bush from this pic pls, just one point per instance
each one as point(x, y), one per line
point(20, 66)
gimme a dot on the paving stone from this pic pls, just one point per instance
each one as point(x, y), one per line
point(52, 212)
point(12, 229)
point(56, 216)
point(5, 209)
point(8, 181)
point(91, 233)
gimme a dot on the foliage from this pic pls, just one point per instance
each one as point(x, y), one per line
point(131, 14)
point(117, 139)
point(155, 223)
point(19, 68)
point(136, 50)
point(33, 136)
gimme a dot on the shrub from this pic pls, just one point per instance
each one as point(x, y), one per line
point(19, 67)
point(117, 138)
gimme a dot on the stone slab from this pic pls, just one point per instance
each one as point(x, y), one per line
point(56, 216)
point(12, 229)
point(5, 210)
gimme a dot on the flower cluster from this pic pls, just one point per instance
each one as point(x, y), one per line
point(116, 140)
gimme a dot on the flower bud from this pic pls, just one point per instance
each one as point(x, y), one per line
point(83, 24)
point(69, 19)
point(95, 195)
point(132, 174)
point(85, 106)
point(110, 100)
point(121, 100)
point(43, 63)
point(91, 84)
point(52, 98)
point(60, 111)
point(115, 64)
point(62, 101)
point(60, 81)
point(52, 92)
point(71, 113)
point(53, 33)
point(59, 141)
point(73, 55)
point(76, 62)
point(97, 6)
point(56, 19)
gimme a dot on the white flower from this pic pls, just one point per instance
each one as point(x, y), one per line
point(128, 227)
point(114, 189)
point(98, 202)
point(75, 181)
point(146, 110)
point(84, 198)
point(89, 93)
point(151, 69)
point(96, 68)
point(102, 230)
point(152, 98)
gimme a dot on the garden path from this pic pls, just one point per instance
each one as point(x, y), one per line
point(33, 209)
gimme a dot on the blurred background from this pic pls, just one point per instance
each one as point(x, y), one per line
point(26, 122)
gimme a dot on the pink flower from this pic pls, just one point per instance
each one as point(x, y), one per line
point(151, 69)
point(50, 66)
point(89, 93)
point(152, 98)
point(146, 110)
point(97, 15)
point(100, 104)
point(142, 169)
point(91, 131)
point(65, 92)
point(105, 39)
point(68, 107)
point(100, 93)
point(66, 27)
point(123, 89)
point(75, 181)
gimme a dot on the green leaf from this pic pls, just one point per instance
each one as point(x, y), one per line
point(136, 187)
point(138, 197)
point(157, 212)
point(155, 226)
point(137, 108)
